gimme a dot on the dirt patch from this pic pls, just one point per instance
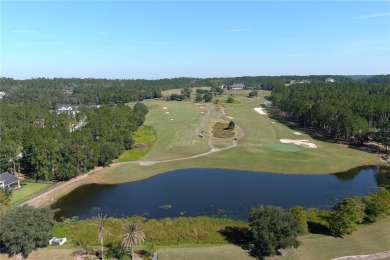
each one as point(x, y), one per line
point(140, 146)
point(306, 143)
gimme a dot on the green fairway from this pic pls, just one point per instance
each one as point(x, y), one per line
point(279, 147)
point(258, 150)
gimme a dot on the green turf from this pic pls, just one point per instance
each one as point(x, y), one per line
point(145, 135)
point(280, 147)
point(27, 190)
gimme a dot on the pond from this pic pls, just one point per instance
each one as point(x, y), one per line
point(217, 193)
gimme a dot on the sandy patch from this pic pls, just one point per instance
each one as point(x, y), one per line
point(171, 118)
point(260, 110)
point(164, 107)
point(230, 117)
point(297, 133)
point(166, 112)
point(200, 107)
point(146, 163)
point(306, 143)
point(272, 122)
point(202, 112)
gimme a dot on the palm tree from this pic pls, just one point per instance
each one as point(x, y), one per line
point(133, 236)
point(101, 223)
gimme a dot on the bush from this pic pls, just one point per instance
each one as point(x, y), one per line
point(377, 205)
point(272, 229)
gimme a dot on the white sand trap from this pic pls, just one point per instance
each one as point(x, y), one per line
point(202, 112)
point(273, 122)
point(146, 163)
point(230, 117)
point(306, 143)
point(200, 107)
point(166, 112)
point(260, 110)
point(297, 133)
point(164, 107)
point(171, 118)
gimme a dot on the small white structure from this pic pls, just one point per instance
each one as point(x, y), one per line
point(329, 80)
point(2, 94)
point(56, 241)
point(68, 109)
point(238, 86)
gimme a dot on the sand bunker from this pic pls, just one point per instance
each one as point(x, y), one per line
point(306, 143)
point(202, 112)
point(166, 112)
point(273, 122)
point(260, 110)
point(230, 117)
point(297, 133)
point(164, 107)
point(171, 118)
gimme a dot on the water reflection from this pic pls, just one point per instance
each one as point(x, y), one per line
point(218, 192)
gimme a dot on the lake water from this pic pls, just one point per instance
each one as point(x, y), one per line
point(217, 193)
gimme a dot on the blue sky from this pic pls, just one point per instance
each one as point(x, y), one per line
point(165, 39)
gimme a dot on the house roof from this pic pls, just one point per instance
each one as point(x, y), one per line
point(64, 105)
point(8, 178)
point(238, 85)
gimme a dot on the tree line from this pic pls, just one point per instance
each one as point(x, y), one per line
point(351, 112)
point(48, 146)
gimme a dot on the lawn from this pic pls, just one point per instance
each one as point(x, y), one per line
point(144, 138)
point(27, 190)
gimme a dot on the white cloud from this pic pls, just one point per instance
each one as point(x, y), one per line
point(372, 15)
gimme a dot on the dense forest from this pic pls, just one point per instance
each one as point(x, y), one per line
point(47, 93)
point(345, 111)
point(50, 146)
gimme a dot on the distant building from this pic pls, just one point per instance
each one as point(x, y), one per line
point(329, 80)
point(68, 109)
point(237, 86)
point(9, 181)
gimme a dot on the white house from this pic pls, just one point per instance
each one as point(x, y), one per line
point(7, 180)
point(329, 80)
point(237, 86)
point(68, 109)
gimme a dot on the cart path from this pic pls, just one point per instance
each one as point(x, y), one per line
point(376, 256)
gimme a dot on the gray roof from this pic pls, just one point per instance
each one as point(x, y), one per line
point(238, 85)
point(8, 178)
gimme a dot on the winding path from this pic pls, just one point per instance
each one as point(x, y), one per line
point(376, 256)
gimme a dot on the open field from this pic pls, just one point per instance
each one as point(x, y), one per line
point(28, 189)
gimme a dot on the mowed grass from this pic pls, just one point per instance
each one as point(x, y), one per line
point(227, 252)
point(145, 135)
point(27, 190)
point(175, 123)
